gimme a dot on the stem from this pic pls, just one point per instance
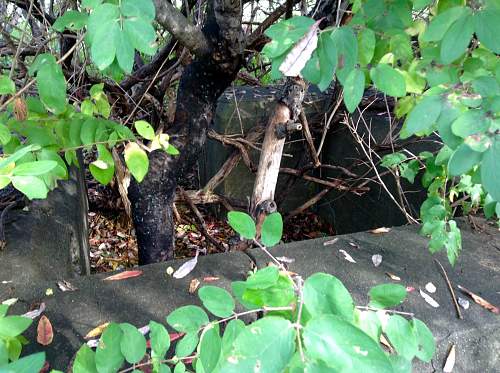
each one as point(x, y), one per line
point(411, 314)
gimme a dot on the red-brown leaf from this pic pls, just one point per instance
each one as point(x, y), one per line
point(123, 275)
point(45, 333)
point(481, 301)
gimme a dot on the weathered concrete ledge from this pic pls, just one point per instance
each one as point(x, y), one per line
point(154, 294)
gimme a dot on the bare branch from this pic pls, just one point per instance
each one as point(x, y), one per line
point(187, 34)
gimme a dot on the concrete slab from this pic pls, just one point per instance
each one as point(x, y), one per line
point(405, 254)
point(154, 294)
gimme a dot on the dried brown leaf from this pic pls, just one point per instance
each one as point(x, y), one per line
point(193, 285)
point(33, 314)
point(450, 360)
point(479, 300)
point(330, 242)
point(347, 257)
point(123, 275)
point(66, 286)
point(393, 276)
point(380, 230)
point(97, 331)
point(210, 279)
point(45, 333)
point(186, 268)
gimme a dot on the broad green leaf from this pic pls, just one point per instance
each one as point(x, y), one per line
point(366, 48)
point(160, 340)
point(388, 80)
point(187, 344)
point(242, 223)
point(272, 229)
point(238, 288)
point(4, 181)
point(108, 355)
point(448, 115)
point(266, 346)
point(141, 35)
point(103, 49)
point(143, 9)
point(487, 28)
point(317, 366)
point(486, 86)
point(386, 295)
point(172, 150)
point(342, 345)
point(179, 367)
point(369, 322)
point(101, 18)
point(442, 22)
point(457, 39)
point(328, 59)
point(85, 360)
point(144, 129)
point(7, 86)
point(425, 341)
point(346, 44)
point(462, 160)
point(231, 331)
point(187, 319)
point(469, 123)
point(402, 336)
point(132, 344)
point(137, 161)
point(209, 349)
point(393, 159)
point(14, 348)
point(72, 20)
point(5, 135)
point(124, 51)
point(420, 4)
point(34, 168)
point(51, 86)
point(453, 242)
point(88, 130)
point(217, 300)
point(281, 294)
point(32, 186)
point(4, 354)
point(325, 294)
point(27, 364)
point(103, 175)
point(312, 70)
point(354, 88)
point(90, 4)
point(490, 170)
point(400, 364)
point(423, 117)
point(12, 326)
point(263, 278)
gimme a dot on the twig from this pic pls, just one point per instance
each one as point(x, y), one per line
point(457, 307)
point(308, 203)
point(328, 123)
point(309, 140)
point(411, 314)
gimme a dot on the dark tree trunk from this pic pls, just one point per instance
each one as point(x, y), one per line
point(202, 83)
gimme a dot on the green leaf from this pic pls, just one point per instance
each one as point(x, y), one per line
point(217, 300)
point(328, 59)
point(453, 242)
point(187, 344)
point(209, 349)
point(18, 154)
point(172, 150)
point(426, 344)
point(402, 336)
point(103, 175)
point(266, 346)
point(132, 344)
point(457, 39)
point(343, 346)
point(312, 70)
point(4, 354)
point(141, 35)
point(90, 4)
point(354, 88)
point(137, 161)
point(242, 223)
point(366, 48)
point(7, 86)
point(51, 85)
point(346, 44)
point(232, 330)
point(31, 186)
point(28, 364)
point(263, 278)
point(84, 361)
point(5, 135)
point(370, 323)
point(325, 294)
point(388, 80)
point(469, 123)
point(144, 129)
point(88, 130)
point(280, 294)
point(423, 117)
point(34, 168)
point(420, 4)
point(179, 367)
point(160, 340)
point(442, 22)
point(462, 160)
point(187, 319)
point(101, 18)
point(124, 51)
point(108, 355)
point(103, 49)
point(392, 160)
point(143, 9)
point(490, 170)
point(12, 326)
point(272, 229)
point(386, 295)
point(487, 28)
point(72, 20)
